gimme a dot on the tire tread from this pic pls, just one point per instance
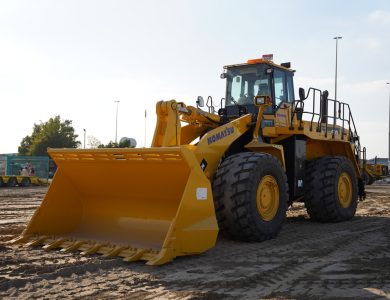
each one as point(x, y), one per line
point(321, 194)
point(231, 194)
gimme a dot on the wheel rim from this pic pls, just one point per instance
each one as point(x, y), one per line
point(267, 198)
point(345, 190)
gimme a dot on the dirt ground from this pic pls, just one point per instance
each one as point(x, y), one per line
point(308, 260)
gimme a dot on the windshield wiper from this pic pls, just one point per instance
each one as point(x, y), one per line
point(234, 101)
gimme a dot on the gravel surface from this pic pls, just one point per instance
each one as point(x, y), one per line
point(308, 260)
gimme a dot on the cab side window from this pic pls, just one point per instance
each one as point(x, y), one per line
point(279, 87)
point(283, 87)
point(236, 87)
point(290, 88)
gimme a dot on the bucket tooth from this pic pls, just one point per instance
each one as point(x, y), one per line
point(105, 249)
point(136, 256)
point(127, 252)
point(66, 244)
point(149, 255)
point(37, 241)
point(18, 240)
point(84, 247)
point(164, 256)
point(54, 244)
point(115, 251)
point(93, 249)
point(73, 246)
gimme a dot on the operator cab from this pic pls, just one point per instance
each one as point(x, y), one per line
point(258, 77)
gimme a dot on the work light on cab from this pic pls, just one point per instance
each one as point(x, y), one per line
point(263, 99)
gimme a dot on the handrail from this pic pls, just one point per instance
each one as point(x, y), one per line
point(320, 116)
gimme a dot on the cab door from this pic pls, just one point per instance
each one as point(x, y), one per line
point(283, 96)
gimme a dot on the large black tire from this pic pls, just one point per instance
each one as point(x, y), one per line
point(25, 182)
point(12, 182)
point(370, 180)
point(250, 194)
point(331, 191)
point(365, 177)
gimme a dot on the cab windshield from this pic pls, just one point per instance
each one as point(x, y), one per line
point(246, 82)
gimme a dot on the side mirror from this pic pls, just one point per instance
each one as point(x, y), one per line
point(200, 101)
point(223, 76)
point(302, 94)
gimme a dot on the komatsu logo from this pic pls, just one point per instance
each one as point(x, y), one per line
point(220, 135)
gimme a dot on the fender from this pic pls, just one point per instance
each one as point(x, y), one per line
point(213, 145)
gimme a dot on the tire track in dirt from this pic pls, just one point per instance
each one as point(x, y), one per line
point(282, 271)
point(307, 260)
point(17, 207)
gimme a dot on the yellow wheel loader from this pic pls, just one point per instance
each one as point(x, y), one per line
point(236, 171)
point(372, 172)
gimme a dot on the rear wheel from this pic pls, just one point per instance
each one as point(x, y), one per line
point(12, 182)
point(250, 194)
point(370, 180)
point(367, 178)
point(331, 189)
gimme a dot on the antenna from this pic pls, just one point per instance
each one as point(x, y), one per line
point(388, 158)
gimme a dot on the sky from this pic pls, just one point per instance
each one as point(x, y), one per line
point(76, 58)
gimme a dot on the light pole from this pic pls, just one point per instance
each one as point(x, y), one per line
point(116, 122)
point(388, 158)
point(84, 137)
point(145, 131)
point(335, 81)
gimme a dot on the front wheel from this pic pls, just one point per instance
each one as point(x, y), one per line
point(250, 194)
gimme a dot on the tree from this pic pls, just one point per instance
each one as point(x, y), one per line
point(26, 142)
point(124, 143)
point(93, 142)
point(111, 144)
point(53, 133)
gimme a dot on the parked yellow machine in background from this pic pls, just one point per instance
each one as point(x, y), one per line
point(23, 171)
point(22, 181)
point(236, 171)
point(372, 172)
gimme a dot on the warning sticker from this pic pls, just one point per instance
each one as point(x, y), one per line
point(201, 193)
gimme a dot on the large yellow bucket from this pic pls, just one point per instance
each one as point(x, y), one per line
point(151, 204)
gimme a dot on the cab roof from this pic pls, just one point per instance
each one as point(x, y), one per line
point(260, 61)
